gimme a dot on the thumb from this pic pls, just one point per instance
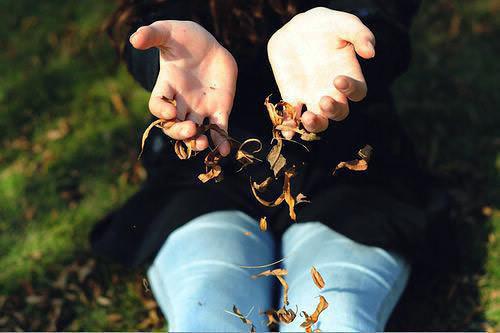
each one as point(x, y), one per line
point(360, 36)
point(153, 35)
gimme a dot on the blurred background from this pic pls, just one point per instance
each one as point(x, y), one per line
point(70, 118)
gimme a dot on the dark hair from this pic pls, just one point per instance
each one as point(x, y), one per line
point(234, 22)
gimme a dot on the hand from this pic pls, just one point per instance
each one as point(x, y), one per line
point(195, 71)
point(313, 58)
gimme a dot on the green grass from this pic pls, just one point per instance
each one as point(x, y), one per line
point(68, 156)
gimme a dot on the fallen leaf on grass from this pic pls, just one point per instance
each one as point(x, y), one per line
point(317, 278)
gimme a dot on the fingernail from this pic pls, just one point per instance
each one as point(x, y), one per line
point(370, 47)
point(132, 37)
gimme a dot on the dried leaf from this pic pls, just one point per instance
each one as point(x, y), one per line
point(290, 200)
point(238, 314)
point(262, 186)
point(301, 198)
point(354, 165)
point(285, 289)
point(114, 317)
point(276, 119)
point(184, 149)
point(306, 136)
point(160, 123)
point(263, 223)
point(274, 203)
point(317, 278)
point(274, 272)
point(145, 284)
point(365, 153)
point(276, 160)
point(312, 319)
point(271, 317)
point(286, 315)
point(212, 168)
point(246, 158)
point(101, 300)
point(247, 233)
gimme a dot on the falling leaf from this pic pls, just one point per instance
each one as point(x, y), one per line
point(312, 319)
point(276, 160)
point(286, 315)
point(365, 153)
point(212, 168)
point(354, 165)
point(301, 198)
point(246, 158)
point(289, 199)
point(145, 284)
point(276, 119)
point(262, 186)
point(274, 272)
point(263, 223)
point(285, 289)
point(317, 278)
point(274, 203)
point(247, 233)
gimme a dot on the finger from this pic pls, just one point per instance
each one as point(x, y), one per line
point(332, 109)
point(202, 140)
point(155, 34)
point(355, 32)
point(220, 119)
point(288, 121)
point(354, 89)
point(313, 122)
point(181, 130)
point(159, 105)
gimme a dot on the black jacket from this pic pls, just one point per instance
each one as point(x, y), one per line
point(382, 207)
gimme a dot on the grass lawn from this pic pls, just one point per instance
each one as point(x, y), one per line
point(70, 120)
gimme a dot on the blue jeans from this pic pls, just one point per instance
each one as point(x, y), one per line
point(197, 275)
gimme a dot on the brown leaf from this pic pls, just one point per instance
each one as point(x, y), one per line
point(238, 314)
point(160, 123)
point(276, 160)
point(184, 149)
point(285, 289)
point(274, 203)
point(273, 272)
point(212, 168)
point(306, 136)
point(114, 318)
point(290, 200)
point(312, 319)
point(262, 186)
point(286, 315)
point(354, 165)
point(301, 198)
point(317, 278)
point(214, 172)
point(246, 158)
point(101, 300)
point(247, 233)
point(85, 270)
point(263, 223)
point(276, 119)
point(365, 153)
point(271, 317)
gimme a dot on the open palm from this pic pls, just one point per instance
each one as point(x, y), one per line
point(314, 63)
point(195, 71)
